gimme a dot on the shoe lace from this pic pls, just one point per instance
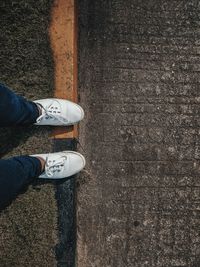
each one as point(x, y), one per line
point(52, 112)
point(53, 166)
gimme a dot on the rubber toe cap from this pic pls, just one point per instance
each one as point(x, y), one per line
point(76, 163)
point(74, 112)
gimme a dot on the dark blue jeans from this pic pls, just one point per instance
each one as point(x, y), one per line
point(16, 172)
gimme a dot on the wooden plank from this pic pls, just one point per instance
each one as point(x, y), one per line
point(63, 37)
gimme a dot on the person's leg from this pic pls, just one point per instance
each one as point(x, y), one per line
point(15, 173)
point(16, 110)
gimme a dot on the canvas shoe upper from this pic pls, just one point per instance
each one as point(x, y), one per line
point(61, 164)
point(58, 112)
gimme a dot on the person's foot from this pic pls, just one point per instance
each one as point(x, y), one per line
point(61, 164)
point(58, 112)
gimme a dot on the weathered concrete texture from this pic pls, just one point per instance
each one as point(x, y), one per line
point(139, 199)
point(28, 227)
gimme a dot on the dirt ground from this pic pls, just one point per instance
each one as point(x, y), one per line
point(28, 227)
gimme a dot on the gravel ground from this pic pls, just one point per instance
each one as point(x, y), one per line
point(28, 227)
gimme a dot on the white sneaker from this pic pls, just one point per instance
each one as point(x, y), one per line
point(58, 112)
point(62, 164)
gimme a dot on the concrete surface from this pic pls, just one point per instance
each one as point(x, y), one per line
point(139, 198)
